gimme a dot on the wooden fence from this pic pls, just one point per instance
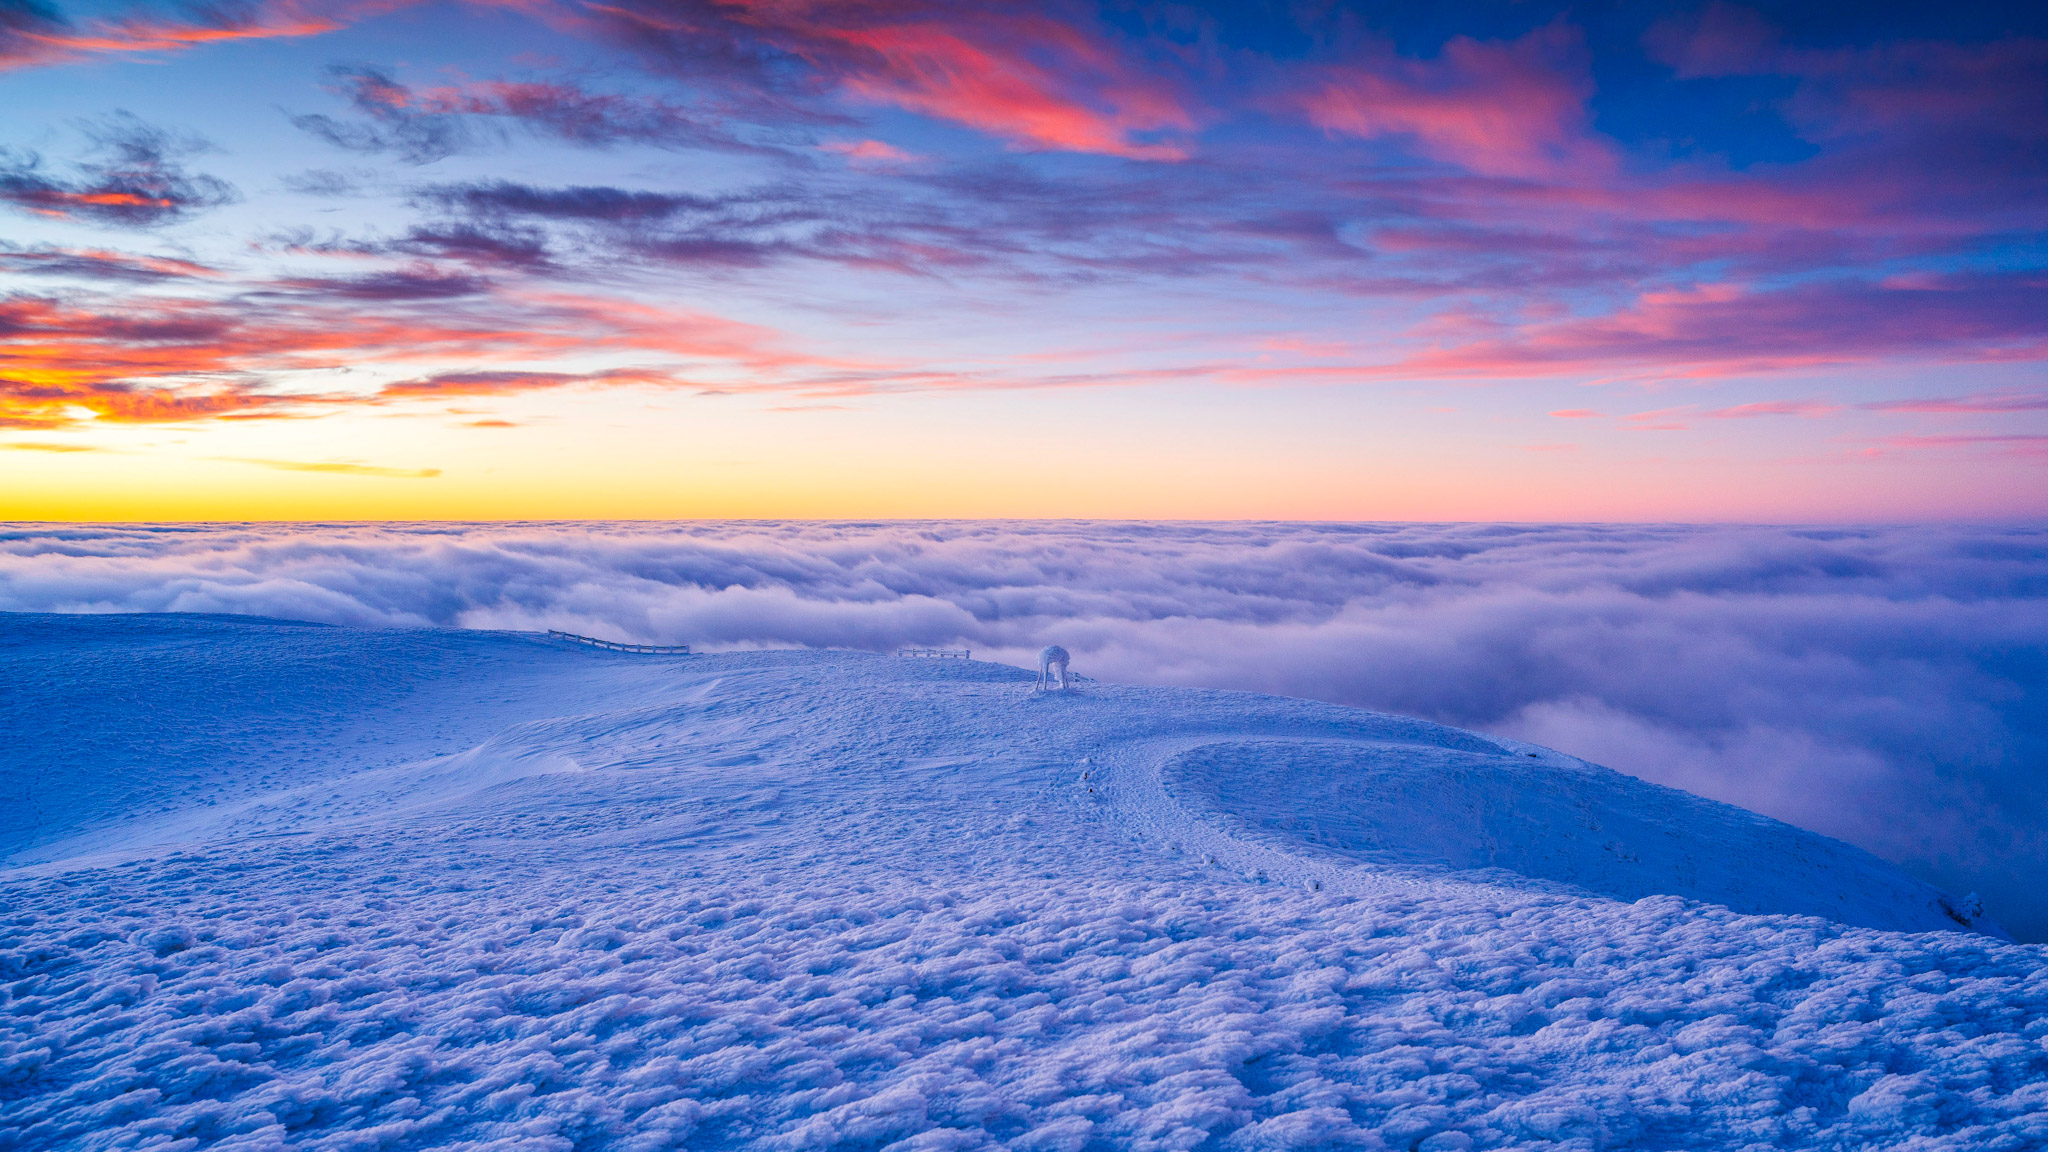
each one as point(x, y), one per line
point(937, 653)
point(615, 646)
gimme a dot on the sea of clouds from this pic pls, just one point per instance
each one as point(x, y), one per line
point(1888, 685)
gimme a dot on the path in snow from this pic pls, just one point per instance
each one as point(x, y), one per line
point(294, 886)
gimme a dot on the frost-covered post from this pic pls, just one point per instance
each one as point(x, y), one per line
point(1053, 657)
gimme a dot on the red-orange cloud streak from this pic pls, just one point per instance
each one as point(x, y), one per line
point(63, 362)
point(48, 41)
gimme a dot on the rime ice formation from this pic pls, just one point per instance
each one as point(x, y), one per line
point(1052, 661)
point(272, 885)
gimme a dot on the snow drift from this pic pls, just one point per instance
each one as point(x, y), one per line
point(289, 885)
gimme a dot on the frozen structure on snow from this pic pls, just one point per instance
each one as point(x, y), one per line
point(1052, 658)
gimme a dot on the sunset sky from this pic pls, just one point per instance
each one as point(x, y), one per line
point(885, 258)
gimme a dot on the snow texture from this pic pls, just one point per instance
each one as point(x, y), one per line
point(281, 885)
point(1887, 686)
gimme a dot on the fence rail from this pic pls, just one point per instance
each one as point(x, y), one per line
point(615, 646)
point(937, 653)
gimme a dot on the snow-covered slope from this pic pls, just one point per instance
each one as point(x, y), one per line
point(271, 884)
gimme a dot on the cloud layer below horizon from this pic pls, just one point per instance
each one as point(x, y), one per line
point(1888, 686)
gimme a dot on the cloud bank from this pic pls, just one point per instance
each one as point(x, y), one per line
point(1888, 686)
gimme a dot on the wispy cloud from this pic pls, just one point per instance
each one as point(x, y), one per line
point(1032, 80)
point(1507, 109)
point(501, 383)
point(874, 152)
point(1051, 79)
point(99, 264)
point(135, 177)
point(1978, 402)
point(399, 284)
point(46, 446)
point(1530, 201)
point(2011, 443)
point(32, 34)
point(1678, 419)
point(1732, 329)
point(423, 125)
point(1805, 409)
point(170, 359)
point(337, 467)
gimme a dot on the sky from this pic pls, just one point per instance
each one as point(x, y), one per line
point(383, 259)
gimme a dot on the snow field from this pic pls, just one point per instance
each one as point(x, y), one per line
point(1031, 1016)
point(830, 901)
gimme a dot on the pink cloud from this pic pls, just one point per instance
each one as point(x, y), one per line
point(1717, 40)
point(1804, 408)
point(871, 152)
point(1910, 128)
point(1031, 80)
point(1895, 84)
point(101, 264)
point(1495, 108)
point(504, 382)
point(1975, 402)
point(1660, 420)
point(1732, 329)
point(2013, 444)
point(1674, 419)
point(52, 42)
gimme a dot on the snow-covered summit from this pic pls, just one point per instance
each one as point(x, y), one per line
point(274, 883)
